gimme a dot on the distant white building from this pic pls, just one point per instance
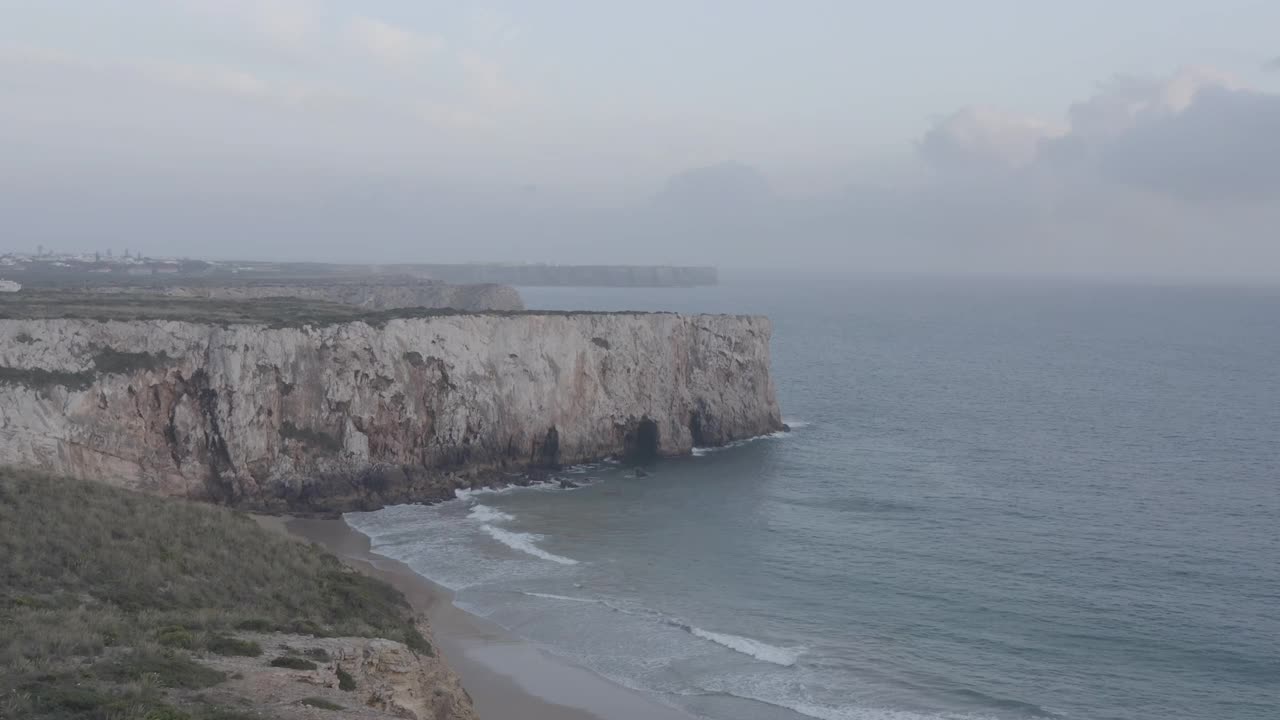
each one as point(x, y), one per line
point(9, 286)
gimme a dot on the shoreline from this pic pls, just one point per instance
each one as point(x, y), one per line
point(507, 677)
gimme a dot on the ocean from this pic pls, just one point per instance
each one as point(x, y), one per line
point(1000, 498)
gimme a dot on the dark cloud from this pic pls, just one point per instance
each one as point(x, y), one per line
point(1191, 137)
point(1225, 145)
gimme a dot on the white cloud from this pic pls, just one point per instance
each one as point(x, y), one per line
point(390, 44)
point(985, 140)
point(288, 25)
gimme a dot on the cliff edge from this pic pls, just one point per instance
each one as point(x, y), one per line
point(341, 414)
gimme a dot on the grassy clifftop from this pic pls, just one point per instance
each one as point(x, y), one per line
point(118, 605)
point(280, 312)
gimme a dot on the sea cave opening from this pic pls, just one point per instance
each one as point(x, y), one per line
point(642, 442)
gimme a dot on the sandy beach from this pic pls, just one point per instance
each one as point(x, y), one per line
point(508, 678)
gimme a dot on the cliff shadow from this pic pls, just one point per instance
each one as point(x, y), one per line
point(640, 442)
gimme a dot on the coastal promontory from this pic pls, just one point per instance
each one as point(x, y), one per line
point(287, 404)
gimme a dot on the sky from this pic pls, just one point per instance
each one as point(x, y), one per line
point(1135, 137)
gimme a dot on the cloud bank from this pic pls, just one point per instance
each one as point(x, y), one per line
point(439, 148)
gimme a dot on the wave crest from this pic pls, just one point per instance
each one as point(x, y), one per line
point(565, 598)
point(524, 542)
point(786, 657)
point(486, 514)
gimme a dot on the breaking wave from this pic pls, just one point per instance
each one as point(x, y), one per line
point(524, 542)
point(785, 657)
point(486, 514)
point(565, 598)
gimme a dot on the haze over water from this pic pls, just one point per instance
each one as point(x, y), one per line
point(1001, 499)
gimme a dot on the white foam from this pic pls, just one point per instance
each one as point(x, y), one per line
point(701, 451)
point(524, 542)
point(848, 712)
point(565, 598)
point(486, 514)
point(796, 424)
point(466, 494)
point(785, 657)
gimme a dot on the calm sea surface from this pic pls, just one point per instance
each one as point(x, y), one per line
point(1001, 499)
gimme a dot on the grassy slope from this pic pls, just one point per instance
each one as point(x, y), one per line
point(278, 312)
point(109, 599)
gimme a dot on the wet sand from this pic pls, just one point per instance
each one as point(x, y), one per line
point(507, 678)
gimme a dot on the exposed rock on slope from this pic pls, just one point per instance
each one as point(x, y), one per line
point(346, 677)
point(353, 415)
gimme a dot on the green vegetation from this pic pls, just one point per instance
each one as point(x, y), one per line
point(112, 361)
point(275, 312)
point(307, 436)
point(346, 683)
point(293, 663)
point(225, 645)
point(321, 703)
point(40, 379)
point(114, 604)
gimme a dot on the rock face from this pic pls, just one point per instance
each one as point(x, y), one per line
point(353, 415)
point(373, 294)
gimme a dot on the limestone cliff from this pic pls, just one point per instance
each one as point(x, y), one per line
point(356, 415)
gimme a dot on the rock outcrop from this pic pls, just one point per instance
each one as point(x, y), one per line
point(349, 677)
point(349, 415)
point(370, 293)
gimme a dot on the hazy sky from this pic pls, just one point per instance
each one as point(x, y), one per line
point(1139, 136)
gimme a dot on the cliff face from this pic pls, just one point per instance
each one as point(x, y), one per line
point(350, 415)
point(373, 295)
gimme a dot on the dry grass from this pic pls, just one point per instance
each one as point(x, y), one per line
point(109, 599)
point(274, 311)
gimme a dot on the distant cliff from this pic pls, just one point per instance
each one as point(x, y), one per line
point(569, 275)
point(357, 414)
point(370, 292)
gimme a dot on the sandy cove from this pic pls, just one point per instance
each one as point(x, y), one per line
point(507, 677)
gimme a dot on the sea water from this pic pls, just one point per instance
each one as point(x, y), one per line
point(999, 499)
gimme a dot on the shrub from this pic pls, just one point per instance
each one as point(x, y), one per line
point(256, 625)
point(321, 703)
point(418, 643)
point(307, 436)
point(178, 637)
point(345, 681)
point(168, 669)
point(40, 378)
point(114, 362)
point(226, 645)
point(293, 663)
